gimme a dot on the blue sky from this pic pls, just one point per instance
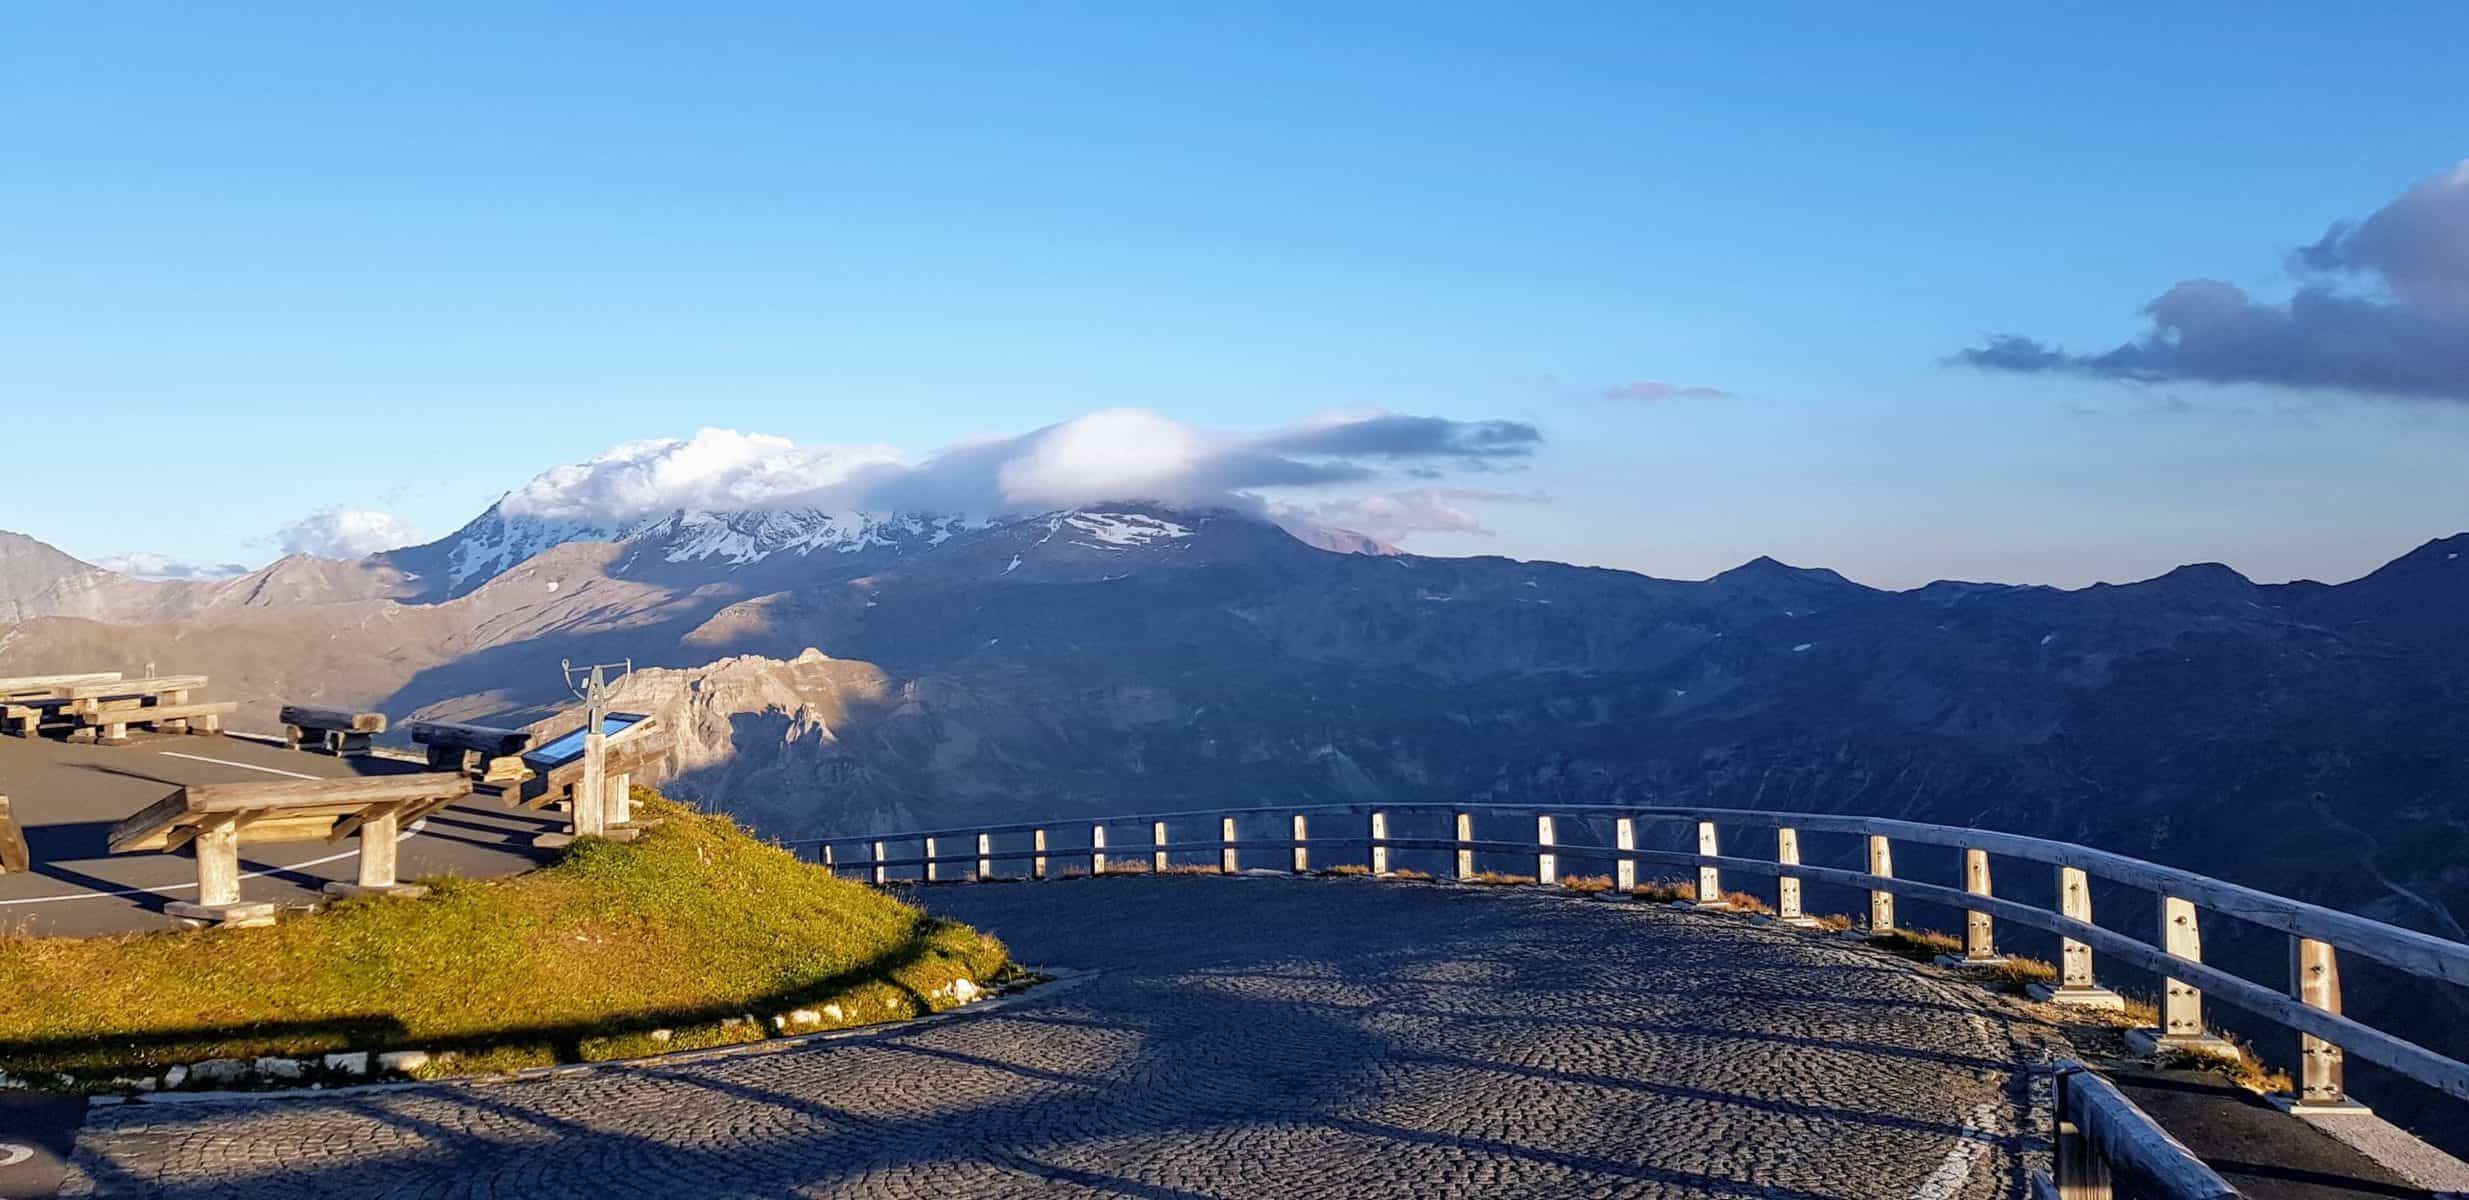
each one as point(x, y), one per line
point(260, 264)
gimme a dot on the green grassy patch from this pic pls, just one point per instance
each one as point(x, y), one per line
point(689, 929)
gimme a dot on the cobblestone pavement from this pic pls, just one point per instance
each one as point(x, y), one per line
point(1235, 1037)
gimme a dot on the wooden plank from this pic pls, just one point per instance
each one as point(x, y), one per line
point(134, 687)
point(487, 739)
point(160, 712)
point(156, 826)
point(338, 720)
point(15, 686)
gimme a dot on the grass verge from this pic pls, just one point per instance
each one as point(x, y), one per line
point(684, 932)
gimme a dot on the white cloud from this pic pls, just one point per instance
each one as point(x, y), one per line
point(1392, 516)
point(344, 533)
point(1115, 454)
point(139, 564)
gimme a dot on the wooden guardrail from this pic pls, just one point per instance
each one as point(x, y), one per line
point(2310, 1007)
point(2105, 1145)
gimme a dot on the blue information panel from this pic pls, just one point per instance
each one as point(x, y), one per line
point(570, 747)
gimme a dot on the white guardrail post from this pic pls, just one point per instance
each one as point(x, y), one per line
point(1380, 842)
point(1624, 836)
point(1787, 887)
point(1465, 834)
point(882, 874)
point(2314, 979)
point(985, 857)
point(1037, 857)
point(1709, 878)
point(1097, 849)
point(1226, 860)
point(1157, 840)
point(1881, 903)
point(1547, 864)
point(2181, 1002)
point(1979, 928)
point(2075, 985)
point(931, 868)
point(1303, 857)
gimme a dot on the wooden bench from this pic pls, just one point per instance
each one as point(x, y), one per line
point(217, 819)
point(13, 857)
point(453, 746)
point(334, 731)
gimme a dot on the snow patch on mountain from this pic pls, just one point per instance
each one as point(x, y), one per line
point(1122, 531)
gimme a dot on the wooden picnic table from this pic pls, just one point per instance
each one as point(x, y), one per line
point(104, 706)
point(217, 819)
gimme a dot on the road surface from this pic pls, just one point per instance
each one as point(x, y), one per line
point(1233, 1037)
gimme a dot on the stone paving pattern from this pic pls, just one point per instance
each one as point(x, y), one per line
point(1234, 1037)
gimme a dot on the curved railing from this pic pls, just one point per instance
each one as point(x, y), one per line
point(2311, 1007)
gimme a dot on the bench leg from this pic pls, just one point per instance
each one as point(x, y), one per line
point(378, 845)
point(351, 744)
point(217, 848)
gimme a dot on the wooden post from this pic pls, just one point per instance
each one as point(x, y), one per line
point(377, 834)
point(1709, 879)
point(827, 861)
point(1037, 859)
point(1380, 842)
point(985, 856)
point(621, 799)
point(2075, 985)
point(1226, 860)
point(1979, 929)
point(1157, 842)
point(1465, 834)
point(218, 862)
point(882, 874)
point(1097, 849)
point(932, 868)
point(1303, 857)
point(2181, 1003)
point(1547, 864)
point(1787, 887)
point(1881, 904)
point(2314, 979)
point(1624, 871)
point(591, 795)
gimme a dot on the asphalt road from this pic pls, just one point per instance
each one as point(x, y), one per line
point(1233, 1037)
point(68, 797)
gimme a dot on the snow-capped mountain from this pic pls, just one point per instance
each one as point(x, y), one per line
point(706, 543)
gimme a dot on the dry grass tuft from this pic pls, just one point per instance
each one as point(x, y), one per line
point(1498, 879)
point(1587, 885)
point(1346, 869)
point(1411, 875)
point(1920, 945)
point(2018, 973)
point(1664, 891)
point(1192, 869)
point(1832, 922)
point(1744, 902)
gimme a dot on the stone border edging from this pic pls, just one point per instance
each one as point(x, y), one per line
point(1053, 978)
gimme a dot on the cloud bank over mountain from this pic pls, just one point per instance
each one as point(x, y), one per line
point(2381, 308)
point(344, 533)
point(142, 565)
point(1113, 455)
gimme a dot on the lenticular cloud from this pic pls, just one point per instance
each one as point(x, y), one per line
point(1112, 455)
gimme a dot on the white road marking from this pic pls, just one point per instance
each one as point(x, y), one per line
point(1978, 1137)
point(406, 835)
point(225, 762)
point(12, 1154)
point(1972, 1145)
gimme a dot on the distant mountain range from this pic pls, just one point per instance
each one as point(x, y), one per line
point(2304, 737)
